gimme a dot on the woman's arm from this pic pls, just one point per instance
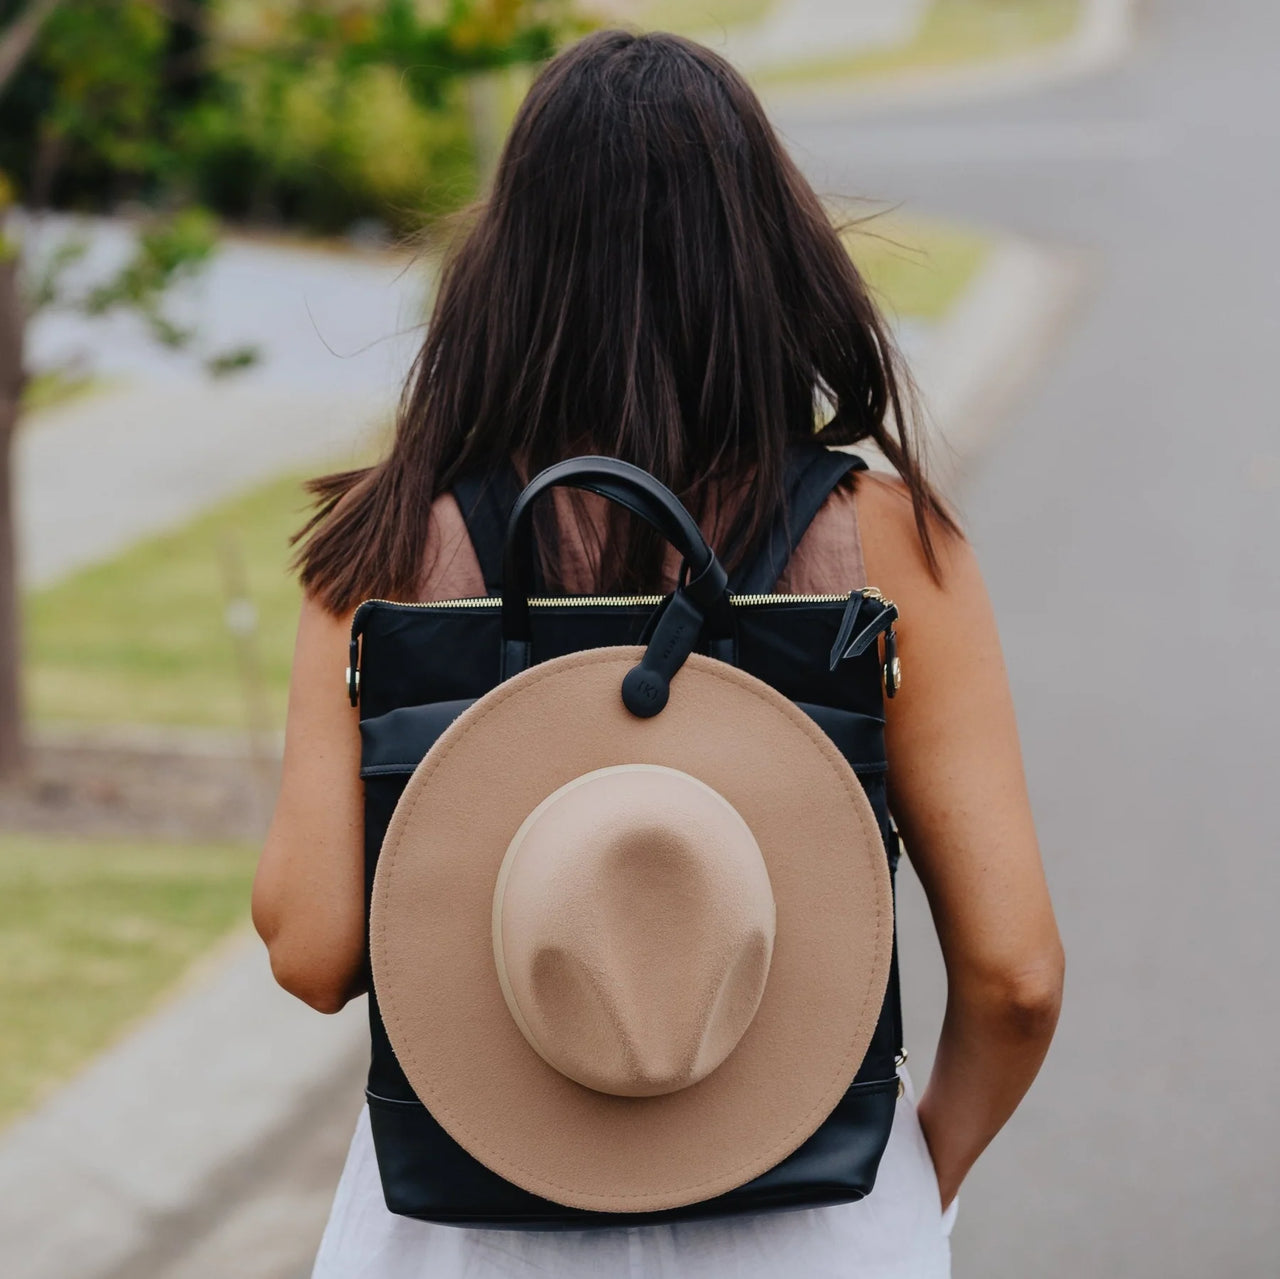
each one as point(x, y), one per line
point(308, 895)
point(959, 797)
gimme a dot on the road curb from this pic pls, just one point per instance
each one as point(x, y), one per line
point(1102, 38)
point(169, 1121)
point(993, 341)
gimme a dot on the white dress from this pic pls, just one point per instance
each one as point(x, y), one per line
point(897, 1232)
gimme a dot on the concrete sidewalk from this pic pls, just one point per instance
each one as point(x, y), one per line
point(119, 467)
point(797, 32)
point(149, 1148)
point(336, 333)
point(1101, 39)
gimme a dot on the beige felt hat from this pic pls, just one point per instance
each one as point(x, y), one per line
point(631, 964)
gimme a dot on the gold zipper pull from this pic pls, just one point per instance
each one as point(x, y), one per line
point(353, 671)
point(892, 666)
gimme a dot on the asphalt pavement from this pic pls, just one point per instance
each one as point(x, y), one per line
point(1128, 517)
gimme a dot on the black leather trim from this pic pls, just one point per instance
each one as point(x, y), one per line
point(426, 1174)
point(396, 742)
point(859, 737)
point(812, 472)
point(485, 502)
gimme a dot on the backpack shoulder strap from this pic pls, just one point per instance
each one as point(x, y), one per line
point(813, 470)
point(486, 501)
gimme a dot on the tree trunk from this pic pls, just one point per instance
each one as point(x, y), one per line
point(18, 37)
point(12, 320)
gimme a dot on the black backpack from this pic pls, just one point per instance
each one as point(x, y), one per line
point(416, 667)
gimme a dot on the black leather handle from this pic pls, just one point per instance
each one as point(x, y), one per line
point(629, 486)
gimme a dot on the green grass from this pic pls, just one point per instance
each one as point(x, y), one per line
point(953, 32)
point(55, 387)
point(91, 932)
point(143, 637)
point(700, 16)
point(917, 269)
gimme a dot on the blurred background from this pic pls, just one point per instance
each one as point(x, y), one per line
point(219, 225)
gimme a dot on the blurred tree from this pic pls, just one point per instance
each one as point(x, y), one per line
point(11, 384)
point(333, 113)
point(167, 251)
point(324, 111)
point(104, 59)
point(16, 39)
point(328, 108)
point(78, 121)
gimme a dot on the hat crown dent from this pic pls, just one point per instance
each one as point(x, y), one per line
point(633, 930)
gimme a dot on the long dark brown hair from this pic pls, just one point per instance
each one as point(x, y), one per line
point(651, 278)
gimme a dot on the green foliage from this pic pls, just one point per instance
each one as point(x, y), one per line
point(277, 110)
point(167, 252)
point(106, 57)
point(91, 932)
point(79, 116)
point(429, 51)
point(231, 361)
point(324, 114)
point(323, 146)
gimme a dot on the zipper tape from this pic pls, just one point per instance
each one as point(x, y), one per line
point(852, 599)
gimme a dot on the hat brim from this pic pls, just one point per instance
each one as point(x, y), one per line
point(432, 953)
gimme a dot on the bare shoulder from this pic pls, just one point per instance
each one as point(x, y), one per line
point(895, 556)
point(947, 636)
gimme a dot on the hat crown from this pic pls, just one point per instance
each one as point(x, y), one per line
point(633, 929)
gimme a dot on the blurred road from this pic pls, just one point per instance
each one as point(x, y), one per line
point(1129, 523)
point(336, 332)
point(323, 320)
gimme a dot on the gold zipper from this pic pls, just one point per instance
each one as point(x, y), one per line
point(610, 601)
point(880, 597)
point(621, 601)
